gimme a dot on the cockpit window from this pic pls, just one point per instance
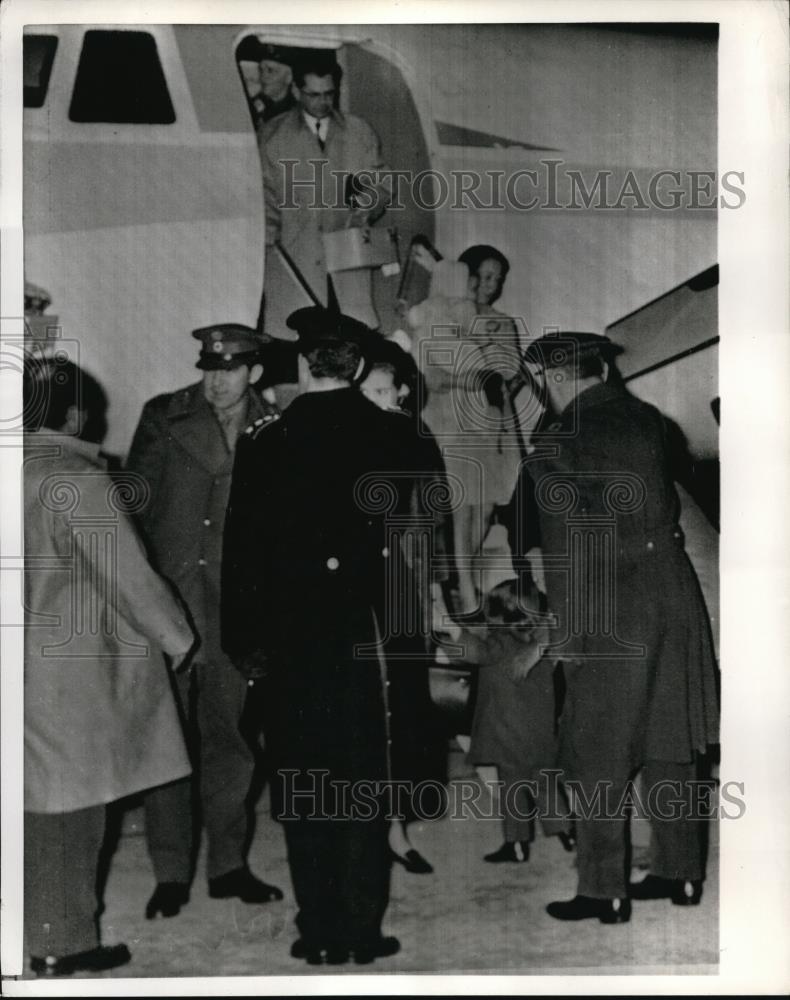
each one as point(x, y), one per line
point(38, 55)
point(120, 79)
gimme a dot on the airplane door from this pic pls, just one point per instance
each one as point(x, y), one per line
point(373, 88)
point(377, 91)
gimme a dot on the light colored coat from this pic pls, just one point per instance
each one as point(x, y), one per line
point(100, 718)
point(314, 190)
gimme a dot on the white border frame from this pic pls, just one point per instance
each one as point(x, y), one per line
point(753, 138)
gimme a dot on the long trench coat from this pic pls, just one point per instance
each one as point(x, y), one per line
point(180, 450)
point(304, 197)
point(311, 577)
point(631, 625)
point(100, 718)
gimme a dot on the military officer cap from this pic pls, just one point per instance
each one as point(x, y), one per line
point(228, 345)
point(555, 350)
point(316, 326)
point(252, 49)
point(37, 299)
point(273, 53)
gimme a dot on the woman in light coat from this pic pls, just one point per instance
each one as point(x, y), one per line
point(467, 352)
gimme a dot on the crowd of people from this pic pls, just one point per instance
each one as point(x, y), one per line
point(301, 566)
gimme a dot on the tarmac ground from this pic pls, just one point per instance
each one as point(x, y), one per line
point(468, 917)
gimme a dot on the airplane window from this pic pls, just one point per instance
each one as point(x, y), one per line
point(38, 55)
point(120, 79)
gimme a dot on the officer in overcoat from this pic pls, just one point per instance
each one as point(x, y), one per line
point(184, 447)
point(631, 627)
point(304, 598)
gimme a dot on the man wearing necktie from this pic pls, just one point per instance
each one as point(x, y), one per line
point(308, 155)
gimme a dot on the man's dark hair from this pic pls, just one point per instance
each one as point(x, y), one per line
point(319, 64)
point(51, 386)
point(338, 360)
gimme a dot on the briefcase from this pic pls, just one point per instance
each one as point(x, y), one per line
point(361, 246)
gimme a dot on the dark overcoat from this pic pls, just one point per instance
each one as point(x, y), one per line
point(181, 452)
point(631, 625)
point(311, 568)
point(513, 725)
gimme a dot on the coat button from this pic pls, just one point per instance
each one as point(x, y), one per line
point(650, 546)
point(201, 562)
point(207, 521)
point(332, 563)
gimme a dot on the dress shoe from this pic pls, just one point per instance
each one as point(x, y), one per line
point(682, 892)
point(244, 885)
point(168, 898)
point(568, 841)
point(608, 911)
point(95, 960)
point(308, 953)
point(316, 955)
point(383, 948)
point(412, 861)
point(516, 851)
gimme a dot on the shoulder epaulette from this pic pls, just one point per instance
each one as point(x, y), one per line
point(181, 403)
point(261, 423)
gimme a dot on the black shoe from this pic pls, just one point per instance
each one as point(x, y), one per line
point(383, 948)
point(311, 954)
point(516, 851)
point(168, 898)
point(243, 884)
point(568, 841)
point(316, 955)
point(682, 892)
point(608, 911)
point(96, 960)
point(336, 955)
point(412, 861)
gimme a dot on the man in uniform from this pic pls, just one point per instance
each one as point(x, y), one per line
point(305, 574)
point(268, 77)
point(631, 628)
point(184, 447)
point(303, 153)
